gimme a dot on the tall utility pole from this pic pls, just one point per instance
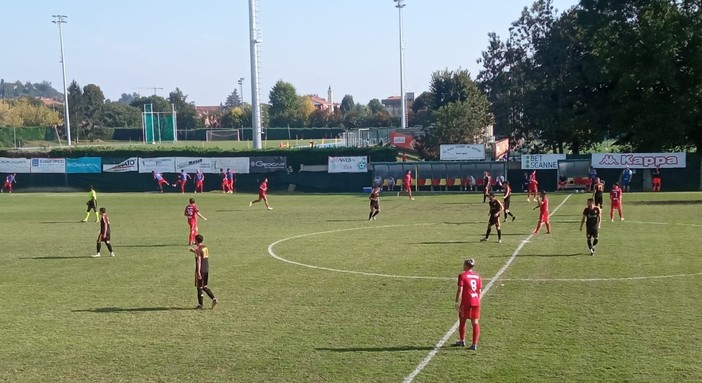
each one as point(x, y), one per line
point(403, 99)
point(255, 89)
point(241, 90)
point(61, 19)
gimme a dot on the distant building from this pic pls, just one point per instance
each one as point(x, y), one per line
point(49, 101)
point(393, 104)
point(327, 105)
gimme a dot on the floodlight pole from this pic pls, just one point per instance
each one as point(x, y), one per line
point(61, 19)
point(403, 99)
point(241, 89)
point(255, 90)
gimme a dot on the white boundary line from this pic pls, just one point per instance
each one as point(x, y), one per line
point(487, 288)
point(601, 279)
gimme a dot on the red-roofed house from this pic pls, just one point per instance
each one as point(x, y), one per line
point(326, 105)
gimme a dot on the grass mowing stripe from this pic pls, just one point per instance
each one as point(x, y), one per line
point(487, 288)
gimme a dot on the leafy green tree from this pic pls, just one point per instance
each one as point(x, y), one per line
point(375, 106)
point(284, 104)
point(186, 115)
point(233, 99)
point(347, 104)
point(75, 105)
point(117, 114)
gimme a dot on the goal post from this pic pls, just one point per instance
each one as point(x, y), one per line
point(222, 135)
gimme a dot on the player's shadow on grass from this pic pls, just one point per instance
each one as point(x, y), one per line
point(376, 349)
point(49, 257)
point(107, 310)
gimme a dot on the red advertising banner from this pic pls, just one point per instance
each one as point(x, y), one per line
point(402, 140)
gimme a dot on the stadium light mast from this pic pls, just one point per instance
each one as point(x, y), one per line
point(241, 89)
point(61, 19)
point(403, 99)
point(255, 89)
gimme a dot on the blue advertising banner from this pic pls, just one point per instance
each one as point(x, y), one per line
point(84, 165)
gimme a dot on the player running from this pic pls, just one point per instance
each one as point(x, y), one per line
point(104, 234)
point(374, 198)
point(199, 181)
point(532, 186)
point(506, 197)
point(407, 185)
point(202, 271)
point(470, 286)
point(615, 202)
point(191, 213)
point(592, 217)
point(494, 219)
point(262, 194)
point(543, 213)
point(598, 192)
point(92, 205)
point(160, 180)
point(9, 180)
point(183, 178)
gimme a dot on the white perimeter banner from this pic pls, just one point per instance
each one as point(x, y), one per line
point(638, 160)
point(541, 161)
point(159, 164)
point(15, 165)
point(238, 165)
point(348, 164)
point(48, 165)
point(192, 164)
point(131, 164)
point(462, 152)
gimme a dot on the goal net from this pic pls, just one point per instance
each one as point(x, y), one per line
point(222, 135)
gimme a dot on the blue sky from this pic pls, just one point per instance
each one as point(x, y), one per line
point(202, 47)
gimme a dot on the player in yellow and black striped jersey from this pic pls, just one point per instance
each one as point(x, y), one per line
point(202, 271)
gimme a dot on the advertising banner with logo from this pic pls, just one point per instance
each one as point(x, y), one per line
point(402, 140)
point(267, 164)
point(84, 165)
point(541, 161)
point(192, 164)
point(501, 148)
point(48, 165)
point(120, 165)
point(638, 160)
point(15, 165)
point(348, 164)
point(158, 164)
point(239, 165)
point(461, 152)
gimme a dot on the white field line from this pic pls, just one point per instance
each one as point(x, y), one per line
point(487, 288)
point(601, 279)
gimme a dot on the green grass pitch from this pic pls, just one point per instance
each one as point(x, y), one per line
point(556, 314)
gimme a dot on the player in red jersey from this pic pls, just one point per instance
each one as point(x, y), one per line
point(199, 181)
point(9, 180)
point(191, 213)
point(615, 199)
point(533, 186)
point(407, 185)
point(470, 287)
point(262, 194)
point(543, 213)
point(183, 177)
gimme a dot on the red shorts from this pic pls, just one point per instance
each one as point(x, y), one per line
point(162, 181)
point(470, 312)
point(6, 185)
point(261, 195)
point(543, 217)
point(533, 187)
point(198, 183)
point(616, 205)
point(657, 181)
point(407, 188)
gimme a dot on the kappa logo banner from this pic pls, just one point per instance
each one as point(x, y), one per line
point(15, 165)
point(48, 165)
point(192, 164)
point(267, 164)
point(158, 164)
point(120, 165)
point(348, 164)
point(638, 160)
point(462, 152)
point(541, 161)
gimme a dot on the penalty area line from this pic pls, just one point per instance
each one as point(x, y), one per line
point(445, 338)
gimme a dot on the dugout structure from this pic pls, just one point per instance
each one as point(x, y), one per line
point(159, 126)
point(222, 135)
point(576, 172)
point(439, 175)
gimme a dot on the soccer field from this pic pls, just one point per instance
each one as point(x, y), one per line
point(314, 292)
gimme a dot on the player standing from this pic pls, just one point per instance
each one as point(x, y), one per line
point(407, 185)
point(470, 287)
point(9, 180)
point(592, 175)
point(374, 198)
point(104, 234)
point(656, 179)
point(494, 219)
point(262, 194)
point(230, 181)
point(532, 186)
point(202, 271)
point(592, 217)
point(506, 197)
point(225, 183)
point(160, 180)
point(191, 213)
point(487, 185)
point(627, 175)
point(183, 178)
point(92, 205)
point(615, 202)
point(543, 213)
point(598, 192)
point(199, 181)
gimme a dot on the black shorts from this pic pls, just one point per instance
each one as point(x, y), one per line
point(505, 203)
point(203, 282)
point(92, 205)
point(374, 205)
point(494, 220)
point(592, 232)
point(106, 239)
point(598, 199)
